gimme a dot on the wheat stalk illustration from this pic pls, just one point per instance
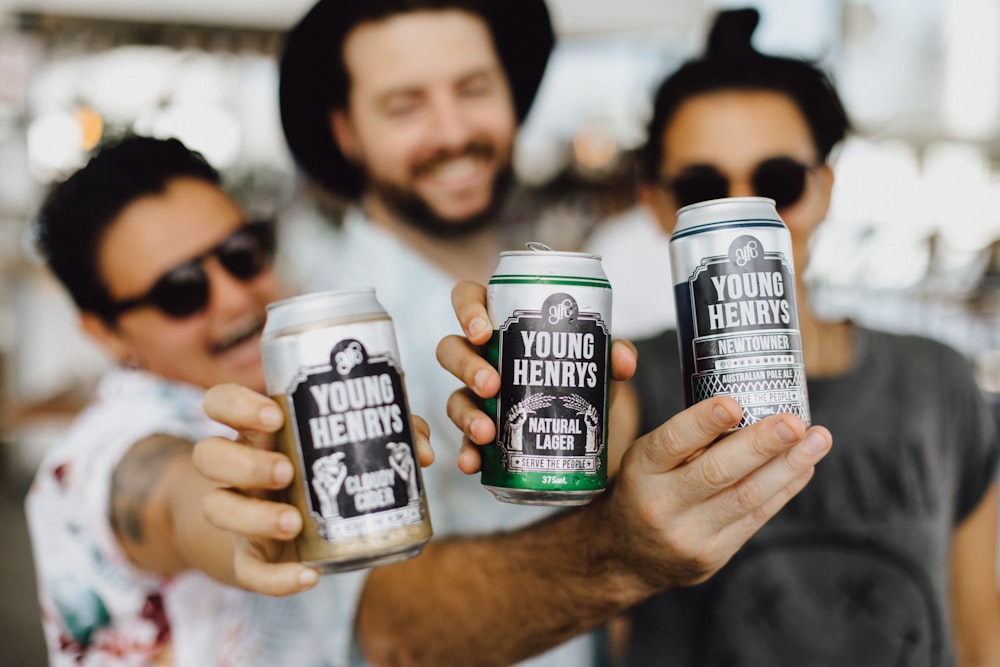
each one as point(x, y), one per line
point(530, 404)
point(578, 403)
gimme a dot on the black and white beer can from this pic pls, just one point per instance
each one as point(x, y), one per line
point(331, 361)
point(737, 321)
point(551, 346)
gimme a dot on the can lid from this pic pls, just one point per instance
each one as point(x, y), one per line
point(327, 307)
point(537, 248)
point(725, 211)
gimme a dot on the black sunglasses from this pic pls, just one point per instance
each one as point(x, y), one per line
point(183, 290)
point(783, 179)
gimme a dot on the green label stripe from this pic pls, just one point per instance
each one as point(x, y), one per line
point(549, 280)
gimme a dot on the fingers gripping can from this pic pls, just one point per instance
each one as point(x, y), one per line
point(331, 361)
point(738, 327)
point(552, 346)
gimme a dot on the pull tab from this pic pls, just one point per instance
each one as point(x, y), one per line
point(537, 246)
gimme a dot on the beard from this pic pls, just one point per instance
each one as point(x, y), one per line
point(406, 204)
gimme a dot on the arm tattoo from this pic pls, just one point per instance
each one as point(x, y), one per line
point(134, 480)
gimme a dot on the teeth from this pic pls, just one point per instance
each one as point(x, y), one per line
point(459, 168)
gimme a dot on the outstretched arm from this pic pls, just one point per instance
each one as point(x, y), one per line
point(155, 511)
point(670, 518)
point(663, 523)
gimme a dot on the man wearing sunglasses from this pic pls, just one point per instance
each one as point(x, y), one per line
point(888, 556)
point(899, 523)
point(171, 280)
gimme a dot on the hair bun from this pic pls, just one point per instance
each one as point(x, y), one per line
point(731, 34)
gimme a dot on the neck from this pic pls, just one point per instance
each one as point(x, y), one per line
point(827, 347)
point(464, 257)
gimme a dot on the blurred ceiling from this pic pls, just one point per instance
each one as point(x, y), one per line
point(571, 17)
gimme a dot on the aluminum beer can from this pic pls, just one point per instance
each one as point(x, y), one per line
point(737, 321)
point(552, 349)
point(331, 361)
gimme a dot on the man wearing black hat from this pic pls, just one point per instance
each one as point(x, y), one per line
point(414, 123)
point(439, 90)
point(413, 128)
point(406, 111)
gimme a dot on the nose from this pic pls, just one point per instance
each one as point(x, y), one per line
point(741, 187)
point(450, 126)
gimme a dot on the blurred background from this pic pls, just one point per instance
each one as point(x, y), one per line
point(912, 242)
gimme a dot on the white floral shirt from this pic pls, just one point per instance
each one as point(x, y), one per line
point(98, 609)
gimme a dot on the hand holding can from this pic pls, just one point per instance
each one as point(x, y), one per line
point(331, 361)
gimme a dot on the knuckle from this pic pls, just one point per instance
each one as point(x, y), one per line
point(243, 580)
point(747, 497)
point(467, 368)
point(213, 507)
point(762, 447)
point(421, 426)
point(453, 408)
point(701, 563)
point(200, 457)
point(649, 516)
point(668, 442)
point(714, 474)
point(695, 561)
point(444, 346)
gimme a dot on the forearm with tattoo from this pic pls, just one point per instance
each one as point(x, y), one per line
point(134, 484)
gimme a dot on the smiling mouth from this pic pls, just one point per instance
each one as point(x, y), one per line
point(456, 164)
point(456, 169)
point(238, 337)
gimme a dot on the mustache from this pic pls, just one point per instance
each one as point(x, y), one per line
point(473, 149)
point(234, 338)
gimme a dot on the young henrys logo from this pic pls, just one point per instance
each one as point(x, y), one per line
point(551, 408)
point(356, 442)
point(749, 288)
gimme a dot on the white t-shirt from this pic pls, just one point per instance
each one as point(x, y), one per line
point(635, 254)
point(417, 295)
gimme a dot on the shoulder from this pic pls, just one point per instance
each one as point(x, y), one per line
point(128, 407)
point(920, 354)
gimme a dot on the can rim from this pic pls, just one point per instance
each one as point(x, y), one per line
point(328, 308)
point(322, 295)
point(539, 249)
point(730, 200)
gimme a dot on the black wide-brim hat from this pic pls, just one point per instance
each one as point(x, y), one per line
point(310, 77)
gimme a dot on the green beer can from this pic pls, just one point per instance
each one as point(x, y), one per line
point(552, 347)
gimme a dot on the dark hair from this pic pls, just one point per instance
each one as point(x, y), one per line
point(76, 212)
point(730, 62)
point(355, 14)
